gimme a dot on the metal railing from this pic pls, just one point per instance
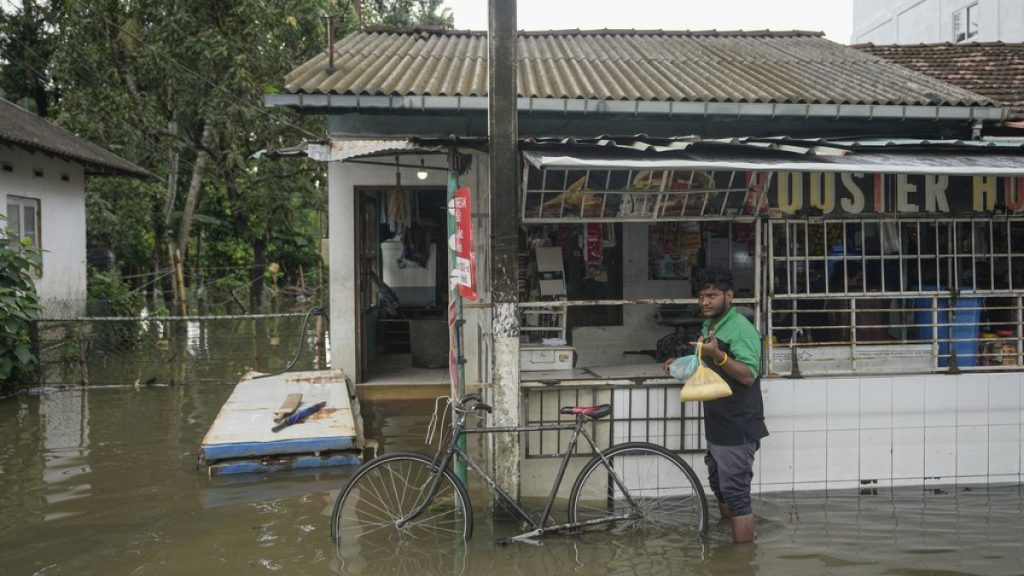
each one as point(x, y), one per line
point(894, 333)
point(648, 413)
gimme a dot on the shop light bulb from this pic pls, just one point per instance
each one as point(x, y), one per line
point(422, 172)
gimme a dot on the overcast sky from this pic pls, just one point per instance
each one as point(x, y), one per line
point(833, 17)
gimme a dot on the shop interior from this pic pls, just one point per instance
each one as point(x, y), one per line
point(402, 285)
point(605, 300)
point(608, 255)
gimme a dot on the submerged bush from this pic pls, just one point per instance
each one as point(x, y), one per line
point(19, 308)
point(109, 295)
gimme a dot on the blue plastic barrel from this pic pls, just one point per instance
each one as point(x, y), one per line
point(964, 327)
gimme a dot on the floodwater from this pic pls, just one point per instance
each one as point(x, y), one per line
point(101, 480)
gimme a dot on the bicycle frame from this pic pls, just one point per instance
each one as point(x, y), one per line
point(536, 528)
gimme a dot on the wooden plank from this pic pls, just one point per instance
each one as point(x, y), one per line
point(288, 407)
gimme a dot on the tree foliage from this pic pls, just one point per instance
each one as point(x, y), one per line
point(28, 38)
point(147, 79)
point(19, 307)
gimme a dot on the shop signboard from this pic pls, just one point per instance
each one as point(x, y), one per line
point(851, 193)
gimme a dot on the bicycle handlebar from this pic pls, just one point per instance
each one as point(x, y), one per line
point(478, 405)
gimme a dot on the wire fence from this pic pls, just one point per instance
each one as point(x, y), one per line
point(169, 350)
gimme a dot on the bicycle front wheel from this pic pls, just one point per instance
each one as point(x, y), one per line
point(388, 489)
point(665, 493)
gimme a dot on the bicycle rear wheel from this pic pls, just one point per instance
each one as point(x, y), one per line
point(666, 493)
point(389, 488)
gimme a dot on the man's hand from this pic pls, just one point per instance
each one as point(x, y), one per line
point(709, 348)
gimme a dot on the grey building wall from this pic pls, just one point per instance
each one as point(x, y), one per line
point(931, 21)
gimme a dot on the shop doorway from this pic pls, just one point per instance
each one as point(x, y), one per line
point(402, 290)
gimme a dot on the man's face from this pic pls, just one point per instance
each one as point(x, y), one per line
point(714, 302)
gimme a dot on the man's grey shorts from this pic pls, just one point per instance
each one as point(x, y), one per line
point(730, 470)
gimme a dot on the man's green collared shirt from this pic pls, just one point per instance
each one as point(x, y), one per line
point(744, 341)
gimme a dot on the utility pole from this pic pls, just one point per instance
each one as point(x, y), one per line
point(503, 135)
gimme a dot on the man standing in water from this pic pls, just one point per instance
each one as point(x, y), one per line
point(733, 425)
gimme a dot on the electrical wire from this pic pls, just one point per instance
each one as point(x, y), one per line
point(317, 310)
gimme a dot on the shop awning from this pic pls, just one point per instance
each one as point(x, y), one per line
point(974, 164)
point(989, 157)
point(341, 150)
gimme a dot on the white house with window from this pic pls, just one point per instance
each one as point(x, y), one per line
point(42, 195)
point(933, 21)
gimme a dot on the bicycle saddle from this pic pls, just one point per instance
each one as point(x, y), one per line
point(592, 412)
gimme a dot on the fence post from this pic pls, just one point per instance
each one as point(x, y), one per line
point(179, 275)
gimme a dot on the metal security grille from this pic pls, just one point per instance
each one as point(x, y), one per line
point(650, 413)
point(895, 295)
point(558, 195)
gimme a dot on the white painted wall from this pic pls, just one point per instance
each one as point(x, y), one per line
point(62, 286)
point(837, 433)
point(343, 179)
point(931, 21)
point(850, 433)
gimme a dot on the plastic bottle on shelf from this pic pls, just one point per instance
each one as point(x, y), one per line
point(987, 349)
point(1007, 343)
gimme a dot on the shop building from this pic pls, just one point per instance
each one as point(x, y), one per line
point(873, 230)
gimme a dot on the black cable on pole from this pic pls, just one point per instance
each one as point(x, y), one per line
point(316, 310)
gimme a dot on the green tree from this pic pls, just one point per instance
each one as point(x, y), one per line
point(399, 13)
point(177, 86)
point(28, 37)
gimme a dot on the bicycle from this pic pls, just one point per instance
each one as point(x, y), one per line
point(407, 495)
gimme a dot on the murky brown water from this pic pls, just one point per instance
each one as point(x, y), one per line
point(101, 481)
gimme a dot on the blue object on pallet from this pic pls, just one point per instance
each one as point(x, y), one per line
point(245, 466)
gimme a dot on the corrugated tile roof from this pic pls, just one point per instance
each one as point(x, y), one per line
point(992, 69)
point(23, 128)
point(710, 66)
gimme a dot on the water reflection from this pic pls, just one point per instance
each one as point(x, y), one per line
point(65, 438)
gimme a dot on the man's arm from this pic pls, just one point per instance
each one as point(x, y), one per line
point(733, 367)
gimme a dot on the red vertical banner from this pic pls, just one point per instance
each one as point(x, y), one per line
point(461, 243)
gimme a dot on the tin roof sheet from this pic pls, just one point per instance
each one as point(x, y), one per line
point(630, 65)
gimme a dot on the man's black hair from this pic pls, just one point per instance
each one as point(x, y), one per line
point(713, 276)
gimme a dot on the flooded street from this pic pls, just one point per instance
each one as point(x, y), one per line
point(102, 481)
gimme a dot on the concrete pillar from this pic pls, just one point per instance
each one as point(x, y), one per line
point(341, 200)
point(502, 130)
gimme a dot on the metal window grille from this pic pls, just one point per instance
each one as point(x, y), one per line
point(556, 195)
point(946, 292)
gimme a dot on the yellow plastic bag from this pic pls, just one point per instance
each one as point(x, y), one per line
point(705, 384)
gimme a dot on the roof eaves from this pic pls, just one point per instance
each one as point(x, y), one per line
point(93, 166)
point(351, 102)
